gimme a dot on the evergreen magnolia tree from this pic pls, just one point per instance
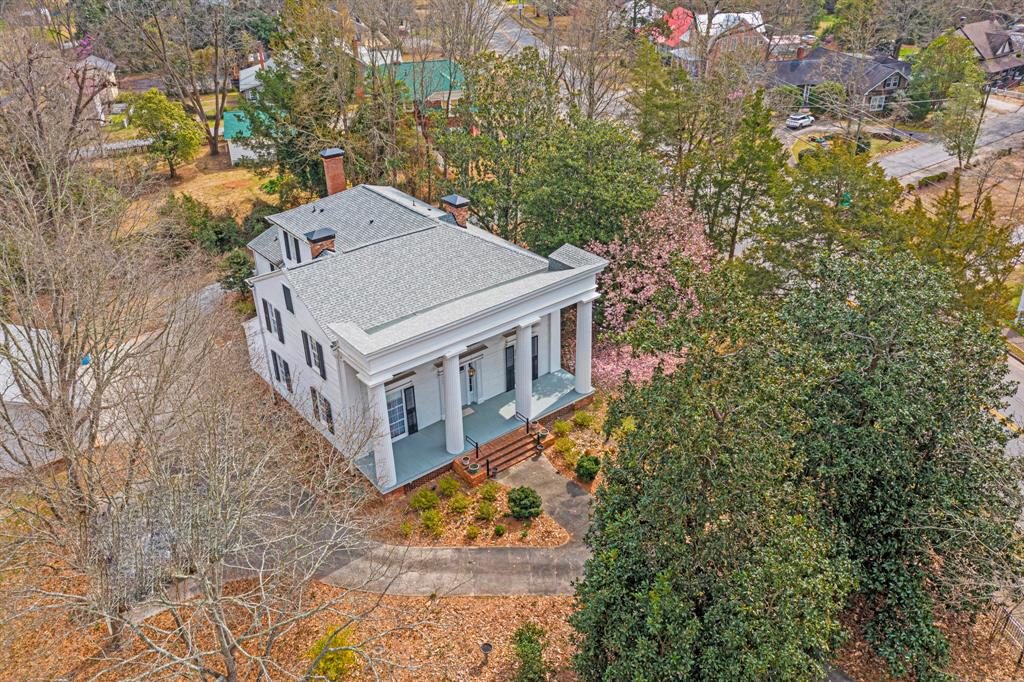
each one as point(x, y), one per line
point(899, 439)
point(708, 563)
point(508, 110)
point(740, 179)
point(585, 186)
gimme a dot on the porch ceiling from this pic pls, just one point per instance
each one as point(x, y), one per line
point(425, 451)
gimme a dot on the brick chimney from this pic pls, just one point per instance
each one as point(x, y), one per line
point(320, 240)
point(334, 169)
point(458, 207)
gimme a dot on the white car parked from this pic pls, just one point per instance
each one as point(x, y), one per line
point(798, 121)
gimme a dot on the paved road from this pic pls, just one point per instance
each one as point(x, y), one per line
point(929, 158)
point(510, 36)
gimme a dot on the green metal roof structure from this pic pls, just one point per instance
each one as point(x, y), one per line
point(429, 80)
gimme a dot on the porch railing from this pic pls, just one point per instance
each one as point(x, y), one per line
point(521, 417)
point(473, 444)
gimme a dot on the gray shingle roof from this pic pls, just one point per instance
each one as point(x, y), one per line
point(392, 279)
point(361, 216)
point(822, 64)
point(567, 257)
point(265, 244)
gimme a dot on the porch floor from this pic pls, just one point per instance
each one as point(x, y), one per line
point(425, 451)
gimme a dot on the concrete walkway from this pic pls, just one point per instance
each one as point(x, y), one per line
point(482, 570)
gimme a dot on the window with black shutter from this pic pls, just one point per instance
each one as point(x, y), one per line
point(320, 359)
point(314, 397)
point(298, 251)
point(286, 372)
point(287, 298)
point(410, 410)
point(305, 348)
point(535, 357)
point(510, 368)
point(287, 245)
point(328, 414)
point(274, 362)
point(267, 319)
point(280, 327)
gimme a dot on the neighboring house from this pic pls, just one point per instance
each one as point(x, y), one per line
point(430, 84)
point(446, 335)
point(691, 38)
point(100, 79)
point(1000, 51)
point(235, 129)
point(791, 46)
point(875, 79)
point(248, 84)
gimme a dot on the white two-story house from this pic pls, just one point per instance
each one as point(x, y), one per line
point(447, 336)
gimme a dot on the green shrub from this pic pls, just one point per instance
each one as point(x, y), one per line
point(236, 267)
point(405, 528)
point(339, 662)
point(561, 428)
point(486, 511)
point(447, 485)
point(932, 179)
point(564, 445)
point(523, 503)
point(530, 644)
point(571, 458)
point(472, 533)
point(459, 503)
point(244, 307)
point(524, 533)
point(489, 491)
point(583, 420)
point(499, 530)
point(187, 219)
point(432, 522)
point(587, 468)
point(423, 499)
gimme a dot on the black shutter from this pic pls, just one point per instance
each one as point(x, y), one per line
point(410, 411)
point(298, 251)
point(535, 357)
point(320, 359)
point(287, 372)
point(315, 397)
point(280, 327)
point(287, 244)
point(287, 298)
point(305, 347)
point(328, 414)
point(510, 368)
point(266, 316)
point(277, 370)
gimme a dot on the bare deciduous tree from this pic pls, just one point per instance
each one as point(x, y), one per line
point(596, 44)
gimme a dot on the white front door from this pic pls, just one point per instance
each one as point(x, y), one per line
point(397, 414)
point(469, 377)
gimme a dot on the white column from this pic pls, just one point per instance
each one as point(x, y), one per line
point(453, 435)
point(383, 454)
point(555, 340)
point(524, 374)
point(584, 324)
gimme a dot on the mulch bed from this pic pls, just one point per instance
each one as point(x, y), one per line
point(542, 531)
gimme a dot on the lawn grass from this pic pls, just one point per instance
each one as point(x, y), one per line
point(210, 103)
point(908, 50)
point(884, 146)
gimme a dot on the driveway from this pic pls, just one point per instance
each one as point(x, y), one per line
point(910, 165)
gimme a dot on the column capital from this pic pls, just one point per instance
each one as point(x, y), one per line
point(590, 297)
point(374, 380)
point(527, 322)
point(454, 352)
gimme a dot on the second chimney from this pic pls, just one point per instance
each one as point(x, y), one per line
point(458, 207)
point(334, 169)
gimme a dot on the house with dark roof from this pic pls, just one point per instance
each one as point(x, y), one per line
point(1000, 51)
point(877, 79)
point(444, 337)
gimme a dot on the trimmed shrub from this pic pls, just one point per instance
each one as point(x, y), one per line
point(486, 511)
point(499, 530)
point(447, 485)
point(530, 644)
point(564, 445)
point(524, 503)
point(459, 503)
point(432, 522)
point(561, 428)
point(587, 468)
point(338, 663)
point(932, 179)
point(583, 420)
point(472, 533)
point(571, 458)
point(405, 528)
point(489, 491)
point(423, 499)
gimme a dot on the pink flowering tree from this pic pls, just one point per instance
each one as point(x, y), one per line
point(642, 282)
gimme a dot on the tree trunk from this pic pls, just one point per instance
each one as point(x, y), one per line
point(897, 45)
